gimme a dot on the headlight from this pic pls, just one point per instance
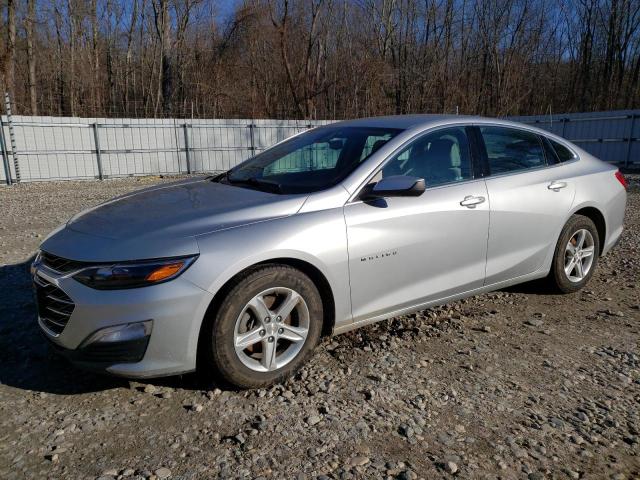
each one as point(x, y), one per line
point(133, 274)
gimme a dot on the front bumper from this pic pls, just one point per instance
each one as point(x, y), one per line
point(175, 309)
point(101, 358)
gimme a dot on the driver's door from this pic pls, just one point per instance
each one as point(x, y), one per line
point(405, 251)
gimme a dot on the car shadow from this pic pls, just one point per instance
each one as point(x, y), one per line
point(28, 362)
point(533, 287)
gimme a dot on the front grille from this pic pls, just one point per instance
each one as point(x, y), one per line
point(61, 265)
point(54, 306)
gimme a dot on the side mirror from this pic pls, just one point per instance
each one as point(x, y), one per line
point(394, 186)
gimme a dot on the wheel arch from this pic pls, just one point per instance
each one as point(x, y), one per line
point(313, 272)
point(321, 283)
point(597, 217)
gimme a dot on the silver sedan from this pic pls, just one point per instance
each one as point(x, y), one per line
point(242, 273)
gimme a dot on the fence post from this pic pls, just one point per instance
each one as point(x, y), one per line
point(12, 136)
point(96, 139)
point(630, 140)
point(185, 128)
point(5, 156)
point(252, 139)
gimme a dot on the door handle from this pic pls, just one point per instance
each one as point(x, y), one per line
point(470, 201)
point(556, 186)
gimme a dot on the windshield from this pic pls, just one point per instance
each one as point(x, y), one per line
point(312, 161)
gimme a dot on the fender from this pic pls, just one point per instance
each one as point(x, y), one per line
point(317, 238)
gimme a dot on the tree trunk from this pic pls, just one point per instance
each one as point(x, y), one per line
point(72, 57)
point(281, 28)
point(60, 87)
point(163, 29)
point(31, 59)
point(10, 65)
point(128, 72)
point(96, 58)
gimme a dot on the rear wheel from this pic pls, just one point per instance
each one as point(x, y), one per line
point(576, 255)
point(266, 327)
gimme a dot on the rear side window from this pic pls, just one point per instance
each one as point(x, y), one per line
point(512, 150)
point(563, 153)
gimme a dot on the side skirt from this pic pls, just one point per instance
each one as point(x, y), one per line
point(421, 306)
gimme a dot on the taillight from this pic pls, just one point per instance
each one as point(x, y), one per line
point(621, 179)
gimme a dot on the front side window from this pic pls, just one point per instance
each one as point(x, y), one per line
point(511, 150)
point(374, 143)
point(440, 157)
point(312, 161)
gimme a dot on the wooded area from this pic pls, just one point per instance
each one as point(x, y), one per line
point(319, 58)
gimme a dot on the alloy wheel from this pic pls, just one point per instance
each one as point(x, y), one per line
point(579, 255)
point(271, 329)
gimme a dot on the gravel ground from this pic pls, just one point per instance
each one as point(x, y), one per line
point(513, 384)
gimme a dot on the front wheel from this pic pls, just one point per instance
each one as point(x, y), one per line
point(576, 255)
point(266, 327)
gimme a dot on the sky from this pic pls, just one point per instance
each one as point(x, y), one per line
point(226, 7)
point(223, 9)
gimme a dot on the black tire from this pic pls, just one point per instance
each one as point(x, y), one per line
point(218, 342)
point(558, 279)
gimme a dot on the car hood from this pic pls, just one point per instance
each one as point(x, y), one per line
point(164, 220)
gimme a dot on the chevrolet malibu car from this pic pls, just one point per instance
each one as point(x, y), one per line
point(330, 230)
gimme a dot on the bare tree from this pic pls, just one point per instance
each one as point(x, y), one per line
point(73, 40)
point(163, 30)
point(59, 93)
point(10, 58)
point(95, 53)
point(31, 59)
point(129, 72)
point(320, 58)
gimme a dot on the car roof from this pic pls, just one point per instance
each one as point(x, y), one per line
point(403, 121)
point(423, 121)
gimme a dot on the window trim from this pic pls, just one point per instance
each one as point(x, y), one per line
point(549, 151)
point(565, 145)
point(541, 139)
point(481, 151)
point(483, 146)
point(354, 198)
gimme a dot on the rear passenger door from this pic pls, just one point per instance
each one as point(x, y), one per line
point(529, 200)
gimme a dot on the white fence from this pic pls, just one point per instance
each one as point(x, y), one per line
point(612, 136)
point(56, 148)
point(59, 148)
